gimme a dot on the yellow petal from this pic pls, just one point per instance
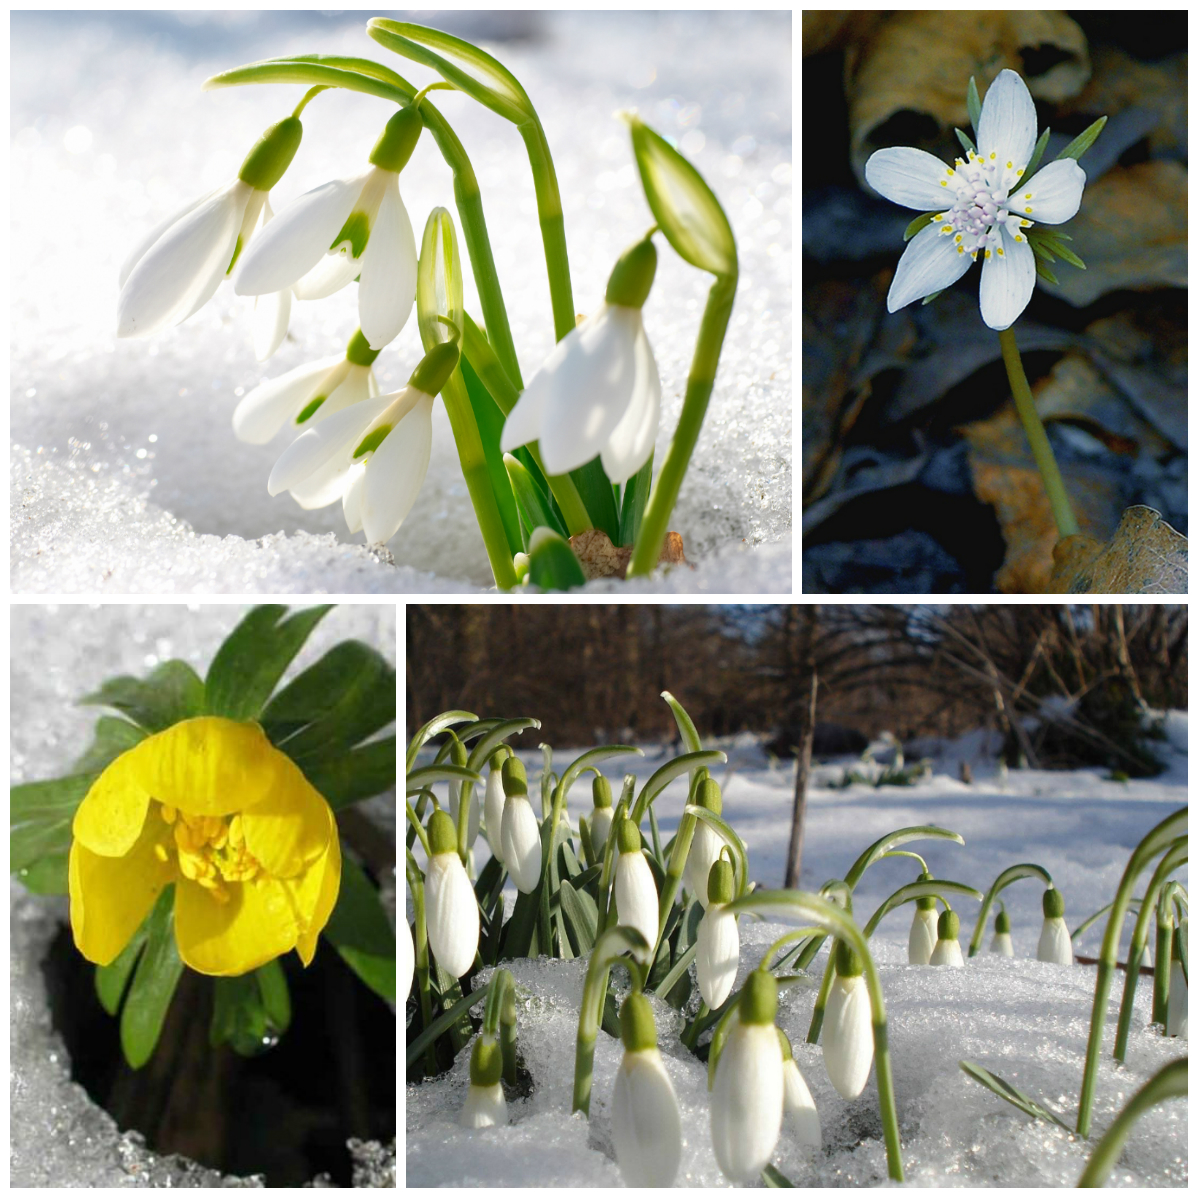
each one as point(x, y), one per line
point(207, 766)
point(329, 872)
point(110, 819)
point(110, 897)
point(256, 924)
point(291, 827)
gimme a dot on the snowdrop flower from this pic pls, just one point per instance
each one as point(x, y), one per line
point(598, 392)
point(746, 1114)
point(346, 229)
point(799, 1112)
point(520, 838)
point(848, 1042)
point(947, 952)
point(372, 455)
point(451, 911)
point(717, 942)
point(1054, 945)
point(602, 815)
point(977, 208)
point(1002, 939)
point(647, 1133)
point(637, 897)
point(922, 937)
point(706, 842)
point(175, 269)
point(485, 1105)
point(493, 804)
point(309, 393)
point(1177, 996)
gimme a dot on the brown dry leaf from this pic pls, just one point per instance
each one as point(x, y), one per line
point(829, 29)
point(1131, 230)
point(1145, 557)
point(916, 66)
point(600, 559)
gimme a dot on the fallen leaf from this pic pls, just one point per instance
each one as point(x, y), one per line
point(600, 559)
point(1144, 557)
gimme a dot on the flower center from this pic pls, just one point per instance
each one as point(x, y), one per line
point(981, 188)
point(211, 851)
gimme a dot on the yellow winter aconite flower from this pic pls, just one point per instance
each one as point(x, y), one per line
point(211, 806)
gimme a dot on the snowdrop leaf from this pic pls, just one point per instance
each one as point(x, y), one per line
point(579, 916)
point(676, 767)
point(1006, 1091)
point(896, 838)
point(432, 728)
point(1080, 146)
point(422, 777)
point(439, 281)
point(687, 728)
point(360, 931)
point(974, 108)
point(689, 215)
point(531, 503)
point(356, 75)
point(501, 731)
point(911, 891)
point(553, 566)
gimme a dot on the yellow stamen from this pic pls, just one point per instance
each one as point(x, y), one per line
point(168, 814)
point(160, 852)
point(1029, 210)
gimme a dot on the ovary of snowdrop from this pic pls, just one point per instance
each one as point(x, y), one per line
point(717, 942)
point(451, 911)
point(633, 884)
point(1002, 943)
point(1054, 945)
point(485, 1105)
point(847, 1041)
point(602, 815)
point(520, 839)
point(947, 952)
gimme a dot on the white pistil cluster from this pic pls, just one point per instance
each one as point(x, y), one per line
point(983, 204)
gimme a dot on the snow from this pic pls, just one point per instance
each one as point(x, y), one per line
point(1024, 1020)
point(126, 476)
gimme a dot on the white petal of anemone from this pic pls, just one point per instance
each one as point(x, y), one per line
point(703, 852)
point(472, 813)
point(521, 843)
point(184, 267)
point(717, 949)
point(451, 914)
point(632, 442)
point(396, 472)
point(331, 441)
point(352, 496)
point(746, 1112)
point(1002, 945)
point(406, 959)
point(799, 1110)
point(637, 897)
point(922, 937)
point(912, 177)
point(1007, 282)
point(296, 239)
point(947, 953)
point(1052, 196)
point(930, 262)
point(388, 286)
point(647, 1132)
point(484, 1107)
point(1177, 998)
point(1008, 121)
point(138, 252)
point(847, 1041)
point(260, 415)
point(1054, 946)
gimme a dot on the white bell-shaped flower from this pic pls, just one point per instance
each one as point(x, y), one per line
point(1054, 945)
point(602, 815)
point(520, 837)
point(922, 936)
point(800, 1114)
point(405, 960)
point(485, 1105)
point(647, 1132)
point(946, 950)
point(717, 942)
point(451, 910)
point(1002, 943)
point(746, 1113)
point(847, 1041)
point(706, 842)
point(633, 884)
point(493, 804)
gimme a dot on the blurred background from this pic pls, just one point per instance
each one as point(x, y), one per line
point(916, 474)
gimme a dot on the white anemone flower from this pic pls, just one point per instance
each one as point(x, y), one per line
point(979, 207)
point(493, 804)
point(946, 951)
point(799, 1110)
point(451, 910)
point(718, 944)
point(1054, 945)
point(484, 1105)
point(633, 884)
point(922, 936)
point(847, 1041)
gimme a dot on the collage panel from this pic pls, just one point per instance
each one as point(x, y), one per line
point(796, 895)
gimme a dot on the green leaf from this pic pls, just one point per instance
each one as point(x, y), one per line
point(580, 916)
point(171, 693)
point(432, 728)
point(532, 504)
point(254, 656)
point(360, 931)
point(490, 423)
point(1044, 271)
point(771, 1177)
point(553, 566)
point(40, 817)
point(112, 978)
point(918, 223)
point(47, 876)
point(1040, 250)
point(634, 498)
point(1006, 1091)
point(974, 108)
point(251, 1011)
point(1038, 150)
point(689, 215)
point(1052, 243)
point(277, 1003)
point(360, 773)
point(113, 736)
point(422, 777)
point(965, 142)
point(1080, 146)
point(932, 296)
point(154, 982)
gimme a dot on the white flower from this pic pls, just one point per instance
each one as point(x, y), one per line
point(451, 910)
point(493, 810)
point(1054, 946)
point(922, 936)
point(647, 1133)
point(799, 1111)
point(946, 953)
point(472, 813)
point(521, 843)
point(484, 1107)
point(1002, 944)
point(1177, 999)
point(405, 960)
point(637, 897)
point(717, 949)
point(704, 851)
point(272, 312)
point(847, 1042)
point(601, 824)
point(977, 208)
point(598, 392)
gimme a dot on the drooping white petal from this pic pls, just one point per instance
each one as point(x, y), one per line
point(352, 497)
point(272, 314)
point(353, 388)
point(847, 1041)
point(799, 1112)
point(331, 440)
point(747, 1101)
point(930, 262)
point(637, 897)
point(1007, 282)
point(326, 485)
point(296, 239)
point(493, 811)
point(388, 285)
point(1008, 121)
point(396, 472)
point(647, 1132)
point(521, 842)
point(406, 959)
point(601, 824)
point(484, 1107)
point(946, 953)
point(333, 272)
point(1052, 196)
point(261, 414)
point(717, 949)
point(1002, 945)
point(451, 913)
point(137, 253)
point(703, 852)
point(184, 267)
point(1177, 999)
point(922, 936)
point(1054, 946)
point(912, 177)
point(632, 442)
point(472, 813)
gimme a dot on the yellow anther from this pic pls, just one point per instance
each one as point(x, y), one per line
point(160, 852)
point(992, 155)
point(1019, 238)
point(947, 228)
point(237, 836)
point(944, 182)
point(999, 251)
point(958, 237)
point(949, 171)
point(168, 814)
point(1010, 166)
point(987, 254)
point(1029, 210)
point(960, 250)
point(1025, 224)
point(183, 838)
point(189, 864)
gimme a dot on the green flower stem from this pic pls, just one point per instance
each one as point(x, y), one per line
point(1162, 971)
point(1168, 1084)
point(678, 860)
point(416, 887)
point(500, 1020)
point(818, 1016)
point(792, 935)
point(1153, 844)
point(313, 91)
point(1086, 925)
point(912, 891)
point(666, 487)
point(432, 728)
point(657, 782)
point(414, 821)
point(1039, 443)
point(1007, 876)
point(692, 1032)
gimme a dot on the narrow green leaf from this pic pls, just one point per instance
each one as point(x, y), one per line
point(112, 978)
point(1040, 250)
point(1006, 1091)
point(238, 1020)
point(532, 504)
point(490, 422)
point(918, 223)
point(634, 498)
point(553, 566)
point(251, 660)
point(112, 737)
point(974, 108)
point(580, 914)
point(432, 728)
point(1065, 254)
point(360, 931)
point(932, 296)
point(1044, 271)
point(422, 777)
point(1080, 146)
point(154, 981)
point(1038, 150)
point(965, 142)
point(171, 693)
point(489, 942)
point(771, 1177)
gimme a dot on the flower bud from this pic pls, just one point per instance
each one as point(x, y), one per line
point(485, 1104)
point(922, 936)
point(1054, 945)
point(637, 897)
point(520, 838)
point(1002, 939)
point(717, 941)
point(451, 910)
point(947, 952)
point(848, 1042)
point(706, 842)
point(602, 814)
point(799, 1112)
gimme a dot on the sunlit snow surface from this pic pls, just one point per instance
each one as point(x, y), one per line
point(1026, 1021)
point(59, 1137)
point(126, 475)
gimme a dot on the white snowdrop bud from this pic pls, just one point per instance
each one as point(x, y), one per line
point(602, 815)
point(1054, 946)
point(848, 1041)
point(647, 1132)
point(947, 952)
point(706, 843)
point(717, 941)
point(493, 804)
point(485, 1104)
point(1002, 940)
point(520, 839)
point(799, 1112)
point(451, 911)
point(1177, 997)
point(637, 897)
point(923, 935)
point(747, 1101)
point(405, 961)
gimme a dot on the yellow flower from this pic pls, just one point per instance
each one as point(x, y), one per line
point(211, 806)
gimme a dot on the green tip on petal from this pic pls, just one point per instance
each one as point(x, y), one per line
point(629, 839)
point(1052, 903)
point(487, 1062)
point(398, 140)
point(309, 409)
point(512, 773)
point(708, 795)
point(369, 444)
point(443, 837)
point(601, 792)
point(759, 999)
point(637, 1024)
point(846, 962)
point(720, 882)
point(272, 154)
point(948, 926)
point(633, 276)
